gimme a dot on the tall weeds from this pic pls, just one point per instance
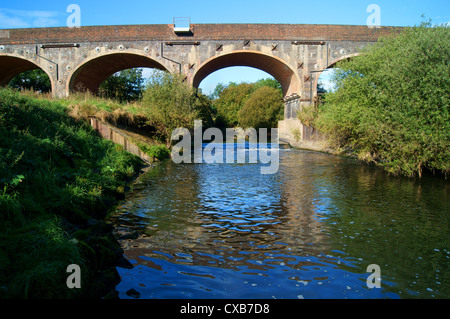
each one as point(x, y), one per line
point(54, 172)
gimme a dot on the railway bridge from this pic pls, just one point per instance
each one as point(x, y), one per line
point(82, 58)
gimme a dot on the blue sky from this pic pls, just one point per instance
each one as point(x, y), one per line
point(28, 14)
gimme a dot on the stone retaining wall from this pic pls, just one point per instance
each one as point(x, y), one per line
point(109, 132)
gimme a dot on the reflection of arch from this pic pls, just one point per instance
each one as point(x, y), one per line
point(11, 66)
point(332, 65)
point(274, 66)
point(91, 73)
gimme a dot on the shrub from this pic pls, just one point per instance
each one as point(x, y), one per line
point(169, 102)
point(262, 109)
point(391, 104)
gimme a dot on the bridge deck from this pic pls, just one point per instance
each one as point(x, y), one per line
point(289, 32)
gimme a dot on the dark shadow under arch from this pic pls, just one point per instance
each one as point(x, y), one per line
point(92, 73)
point(11, 66)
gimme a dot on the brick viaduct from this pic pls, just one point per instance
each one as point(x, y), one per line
point(81, 58)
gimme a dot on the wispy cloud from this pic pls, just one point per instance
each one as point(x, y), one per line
point(30, 18)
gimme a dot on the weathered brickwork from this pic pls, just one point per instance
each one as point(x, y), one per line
point(199, 32)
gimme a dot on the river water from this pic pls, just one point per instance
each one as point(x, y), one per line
point(308, 231)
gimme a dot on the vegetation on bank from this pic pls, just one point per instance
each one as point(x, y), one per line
point(391, 104)
point(57, 177)
point(169, 102)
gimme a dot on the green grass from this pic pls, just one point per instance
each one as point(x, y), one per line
point(54, 171)
point(130, 116)
point(160, 152)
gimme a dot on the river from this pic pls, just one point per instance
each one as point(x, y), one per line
point(308, 231)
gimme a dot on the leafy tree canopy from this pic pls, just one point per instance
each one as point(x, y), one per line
point(124, 86)
point(36, 80)
point(262, 109)
point(230, 100)
point(169, 103)
point(391, 104)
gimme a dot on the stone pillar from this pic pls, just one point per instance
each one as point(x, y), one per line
point(59, 88)
point(289, 129)
point(291, 106)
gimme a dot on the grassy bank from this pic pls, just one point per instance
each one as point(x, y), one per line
point(127, 117)
point(57, 177)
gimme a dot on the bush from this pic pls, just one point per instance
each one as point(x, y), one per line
point(160, 152)
point(231, 100)
point(391, 104)
point(169, 102)
point(262, 109)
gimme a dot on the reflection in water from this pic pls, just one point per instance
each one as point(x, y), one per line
point(309, 231)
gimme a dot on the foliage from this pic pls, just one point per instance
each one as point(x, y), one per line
point(124, 86)
point(36, 80)
point(230, 99)
point(391, 104)
point(308, 115)
point(217, 91)
point(321, 88)
point(270, 82)
point(262, 109)
point(169, 103)
point(230, 102)
point(52, 169)
point(160, 152)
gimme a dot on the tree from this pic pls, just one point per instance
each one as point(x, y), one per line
point(271, 82)
point(217, 91)
point(262, 109)
point(391, 104)
point(36, 80)
point(230, 101)
point(124, 86)
point(170, 103)
point(320, 88)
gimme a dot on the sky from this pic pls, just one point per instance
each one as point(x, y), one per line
point(31, 14)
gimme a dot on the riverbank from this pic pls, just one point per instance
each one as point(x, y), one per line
point(309, 231)
point(57, 179)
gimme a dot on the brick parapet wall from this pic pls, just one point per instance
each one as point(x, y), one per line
point(200, 32)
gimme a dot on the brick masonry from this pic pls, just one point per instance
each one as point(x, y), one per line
point(199, 32)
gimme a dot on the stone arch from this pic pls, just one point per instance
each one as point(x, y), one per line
point(92, 72)
point(11, 66)
point(331, 65)
point(273, 65)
